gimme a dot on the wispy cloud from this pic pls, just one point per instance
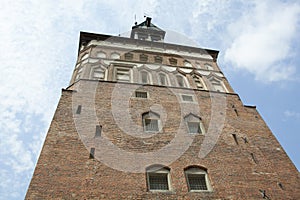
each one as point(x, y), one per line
point(292, 114)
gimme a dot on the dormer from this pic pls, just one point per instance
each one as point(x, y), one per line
point(147, 31)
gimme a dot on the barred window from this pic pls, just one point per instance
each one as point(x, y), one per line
point(197, 179)
point(158, 178)
point(139, 94)
point(187, 98)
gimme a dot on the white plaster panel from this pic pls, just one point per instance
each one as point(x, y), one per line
point(205, 73)
point(186, 70)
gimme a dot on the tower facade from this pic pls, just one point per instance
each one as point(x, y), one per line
point(145, 119)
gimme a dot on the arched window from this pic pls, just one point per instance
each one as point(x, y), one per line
point(158, 178)
point(194, 124)
point(197, 179)
point(144, 77)
point(162, 79)
point(115, 55)
point(180, 81)
point(151, 121)
point(217, 85)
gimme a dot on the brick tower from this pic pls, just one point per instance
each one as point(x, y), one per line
point(145, 119)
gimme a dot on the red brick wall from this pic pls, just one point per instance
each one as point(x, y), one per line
point(65, 171)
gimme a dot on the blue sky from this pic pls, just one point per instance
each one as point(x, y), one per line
point(259, 54)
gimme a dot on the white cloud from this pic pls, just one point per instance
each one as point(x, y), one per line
point(262, 39)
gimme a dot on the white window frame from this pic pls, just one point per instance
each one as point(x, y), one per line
point(183, 81)
point(95, 68)
point(200, 172)
point(154, 171)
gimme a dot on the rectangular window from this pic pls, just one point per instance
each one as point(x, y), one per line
point(180, 81)
point(123, 74)
point(196, 182)
point(141, 94)
point(151, 124)
point(158, 181)
point(143, 58)
point(187, 98)
point(194, 127)
point(98, 74)
point(144, 77)
point(162, 79)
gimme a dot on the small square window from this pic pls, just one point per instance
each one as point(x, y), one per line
point(158, 181)
point(141, 94)
point(196, 182)
point(151, 124)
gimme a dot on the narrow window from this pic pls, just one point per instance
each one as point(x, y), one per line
point(98, 131)
point(235, 139)
point(144, 77)
point(78, 111)
point(197, 179)
point(180, 81)
point(253, 158)
point(162, 79)
point(92, 153)
point(158, 179)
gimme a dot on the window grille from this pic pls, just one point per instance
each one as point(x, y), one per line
point(128, 56)
point(196, 182)
point(141, 94)
point(158, 181)
point(158, 59)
